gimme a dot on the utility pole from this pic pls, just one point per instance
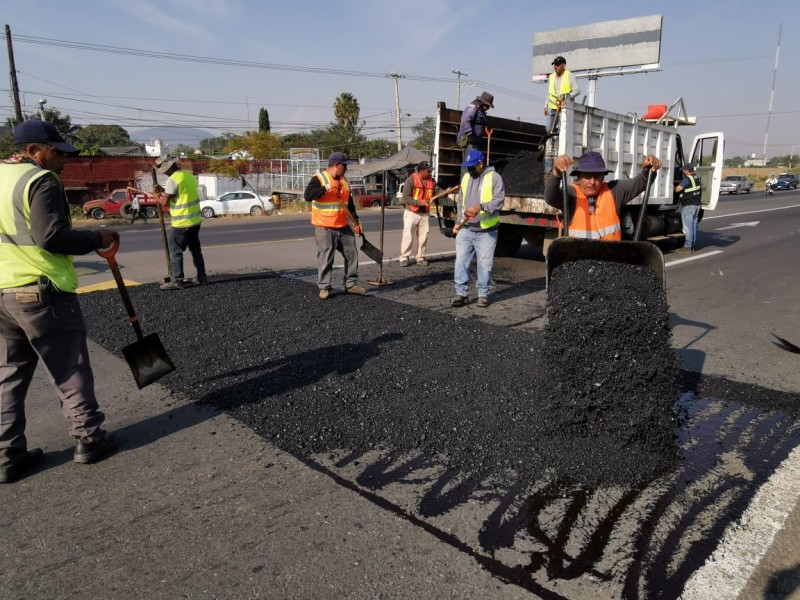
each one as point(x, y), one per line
point(14, 85)
point(396, 77)
point(772, 91)
point(458, 72)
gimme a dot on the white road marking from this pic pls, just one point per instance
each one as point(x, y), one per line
point(735, 225)
point(744, 543)
point(750, 212)
point(696, 256)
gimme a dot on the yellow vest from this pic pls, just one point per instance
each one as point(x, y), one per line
point(184, 208)
point(23, 261)
point(487, 220)
point(566, 88)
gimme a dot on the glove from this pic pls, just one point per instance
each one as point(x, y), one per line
point(357, 229)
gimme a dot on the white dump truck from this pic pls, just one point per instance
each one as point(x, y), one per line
point(622, 140)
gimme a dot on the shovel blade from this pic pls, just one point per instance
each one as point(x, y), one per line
point(644, 254)
point(371, 251)
point(148, 360)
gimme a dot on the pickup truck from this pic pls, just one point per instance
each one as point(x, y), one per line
point(118, 203)
point(364, 200)
point(736, 184)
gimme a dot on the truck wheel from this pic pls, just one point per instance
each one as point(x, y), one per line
point(98, 213)
point(509, 239)
point(125, 210)
point(150, 212)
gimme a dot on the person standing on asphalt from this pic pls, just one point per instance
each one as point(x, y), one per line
point(595, 204)
point(180, 194)
point(479, 200)
point(472, 129)
point(329, 194)
point(689, 191)
point(417, 193)
point(561, 84)
point(40, 316)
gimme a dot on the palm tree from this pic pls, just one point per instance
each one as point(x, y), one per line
point(346, 110)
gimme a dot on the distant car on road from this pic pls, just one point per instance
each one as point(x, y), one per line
point(736, 184)
point(787, 181)
point(236, 203)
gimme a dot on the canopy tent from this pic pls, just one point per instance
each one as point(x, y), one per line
point(406, 157)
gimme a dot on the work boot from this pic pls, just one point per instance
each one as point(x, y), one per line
point(356, 289)
point(457, 301)
point(87, 452)
point(422, 262)
point(189, 283)
point(403, 263)
point(171, 285)
point(483, 302)
point(324, 294)
point(10, 473)
point(202, 280)
point(683, 250)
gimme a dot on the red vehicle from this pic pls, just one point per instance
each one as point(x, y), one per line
point(364, 200)
point(119, 203)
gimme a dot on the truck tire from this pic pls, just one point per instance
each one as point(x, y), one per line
point(509, 239)
point(98, 213)
point(125, 210)
point(150, 212)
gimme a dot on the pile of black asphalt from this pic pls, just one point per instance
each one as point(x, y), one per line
point(591, 401)
point(523, 175)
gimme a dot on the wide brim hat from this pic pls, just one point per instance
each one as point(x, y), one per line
point(486, 98)
point(591, 162)
point(165, 164)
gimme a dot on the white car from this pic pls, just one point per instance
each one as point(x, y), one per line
point(236, 203)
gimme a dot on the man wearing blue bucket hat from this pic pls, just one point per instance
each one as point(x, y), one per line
point(479, 200)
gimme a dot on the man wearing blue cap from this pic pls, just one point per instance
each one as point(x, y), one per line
point(40, 317)
point(689, 190)
point(479, 201)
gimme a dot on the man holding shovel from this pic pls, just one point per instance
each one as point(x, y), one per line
point(40, 316)
point(332, 209)
point(561, 84)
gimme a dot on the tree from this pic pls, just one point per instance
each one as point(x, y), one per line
point(215, 145)
point(182, 150)
point(346, 110)
point(263, 120)
point(104, 135)
point(425, 131)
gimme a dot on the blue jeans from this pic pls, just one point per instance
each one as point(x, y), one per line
point(689, 219)
point(551, 117)
point(469, 244)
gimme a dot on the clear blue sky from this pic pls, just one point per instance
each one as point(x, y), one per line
point(720, 56)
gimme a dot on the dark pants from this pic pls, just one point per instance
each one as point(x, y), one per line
point(52, 329)
point(180, 239)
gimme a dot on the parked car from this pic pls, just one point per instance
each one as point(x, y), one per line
point(364, 199)
point(236, 203)
point(736, 184)
point(787, 181)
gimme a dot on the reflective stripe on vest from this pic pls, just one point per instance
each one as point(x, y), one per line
point(566, 88)
point(184, 208)
point(423, 190)
point(603, 224)
point(23, 261)
point(487, 220)
point(327, 211)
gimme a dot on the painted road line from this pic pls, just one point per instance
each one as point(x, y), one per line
point(744, 543)
point(749, 212)
point(104, 285)
point(679, 261)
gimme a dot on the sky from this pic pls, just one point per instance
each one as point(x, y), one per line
point(294, 59)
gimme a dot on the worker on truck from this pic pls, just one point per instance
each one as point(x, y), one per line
point(595, 204)
point(560, 85)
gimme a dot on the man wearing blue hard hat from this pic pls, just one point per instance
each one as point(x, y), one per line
point(479, 201)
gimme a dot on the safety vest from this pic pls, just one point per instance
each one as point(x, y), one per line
point(23, 261)
point(423, 190)
point(184, 208)
point(691, 195)
point(327, 211)
point(565, 88)
point(487, 220)
point(603, 224)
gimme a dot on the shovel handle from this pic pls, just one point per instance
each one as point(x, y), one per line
point(638, 231)
point(109, 255)
point(110, 252)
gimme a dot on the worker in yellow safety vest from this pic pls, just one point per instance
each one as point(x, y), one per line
point(561, 84)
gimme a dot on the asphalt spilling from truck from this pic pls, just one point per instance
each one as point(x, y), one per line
point(586, 432)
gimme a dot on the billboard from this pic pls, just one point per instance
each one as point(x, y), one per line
point(623, 46)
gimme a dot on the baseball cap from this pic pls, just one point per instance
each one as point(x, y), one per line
point(559, 60)
point(424, 166)
point(473, 158)
point(337, 158)
point(688, 167)
point(34, 131)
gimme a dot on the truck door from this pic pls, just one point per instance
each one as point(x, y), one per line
point(707, 156)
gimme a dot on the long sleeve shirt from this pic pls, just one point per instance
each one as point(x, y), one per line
point(408, 191)
point(622, 190)
point(473, 123)
point(473, 198)
point(573, 83)
point(315, 189)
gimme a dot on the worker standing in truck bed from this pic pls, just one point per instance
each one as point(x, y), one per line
point(594, 203)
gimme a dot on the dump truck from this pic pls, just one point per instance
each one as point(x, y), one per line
point(622, 140)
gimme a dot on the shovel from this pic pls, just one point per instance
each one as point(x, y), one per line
point(156, 187)
point(566, 249)
point(543, 142)
point(371, 251)
point(146, 357)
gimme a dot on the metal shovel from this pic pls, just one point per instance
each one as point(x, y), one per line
point(146, 357)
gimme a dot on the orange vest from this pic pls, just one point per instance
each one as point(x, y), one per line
point(603, 224)
point(327, 211)
point(423, 190)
